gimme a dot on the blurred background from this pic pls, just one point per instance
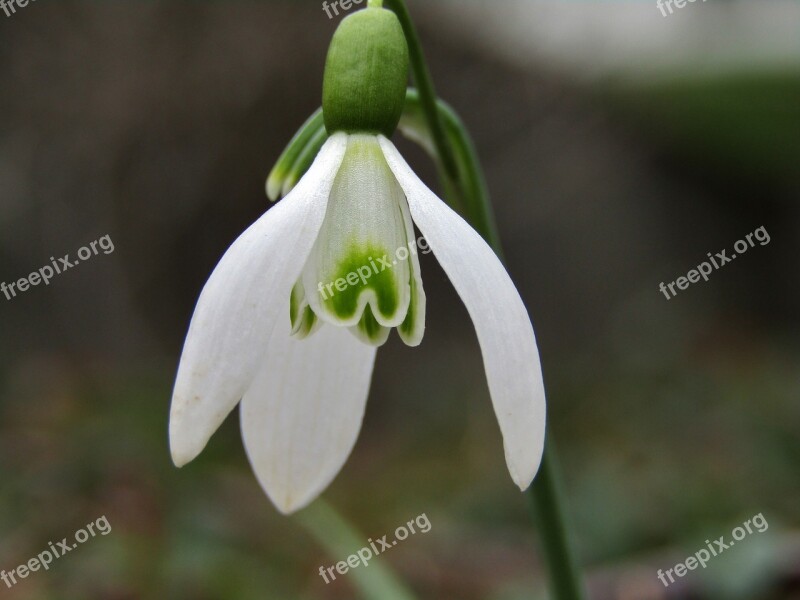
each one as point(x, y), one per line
point(620, 146)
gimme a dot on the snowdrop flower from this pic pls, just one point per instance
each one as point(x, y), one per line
point(272, 329)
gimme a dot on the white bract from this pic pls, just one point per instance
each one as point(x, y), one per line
point(267, 331)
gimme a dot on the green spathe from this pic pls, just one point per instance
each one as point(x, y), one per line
point(366, 73)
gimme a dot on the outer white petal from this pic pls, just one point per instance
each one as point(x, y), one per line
point(501, 321)
point(243, 299)
point(302, 415)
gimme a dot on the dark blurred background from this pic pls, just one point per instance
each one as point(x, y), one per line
point(620, 148)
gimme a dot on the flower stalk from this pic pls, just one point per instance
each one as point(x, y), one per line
point(545, 492)
point(424, 81)
point(548, 509)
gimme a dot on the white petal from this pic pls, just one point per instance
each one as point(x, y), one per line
point(240, 304)
point(501, 321)
point(302, 415)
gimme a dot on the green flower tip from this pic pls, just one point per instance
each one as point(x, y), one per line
point(366, 73)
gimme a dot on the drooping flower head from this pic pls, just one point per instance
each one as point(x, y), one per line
point(290, 320)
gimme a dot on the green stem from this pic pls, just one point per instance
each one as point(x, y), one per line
point(423, 81)
point(545, 493)
point(547, 505)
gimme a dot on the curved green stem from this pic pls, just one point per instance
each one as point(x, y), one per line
point(422, 79)
point(545, 492)
point(464, 172)
point(547, 505)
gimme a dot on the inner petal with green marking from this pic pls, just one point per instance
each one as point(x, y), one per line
point(363, 272)
point(359, 276)
point(304, 321)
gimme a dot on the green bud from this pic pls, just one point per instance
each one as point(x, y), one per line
point(366, 72)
